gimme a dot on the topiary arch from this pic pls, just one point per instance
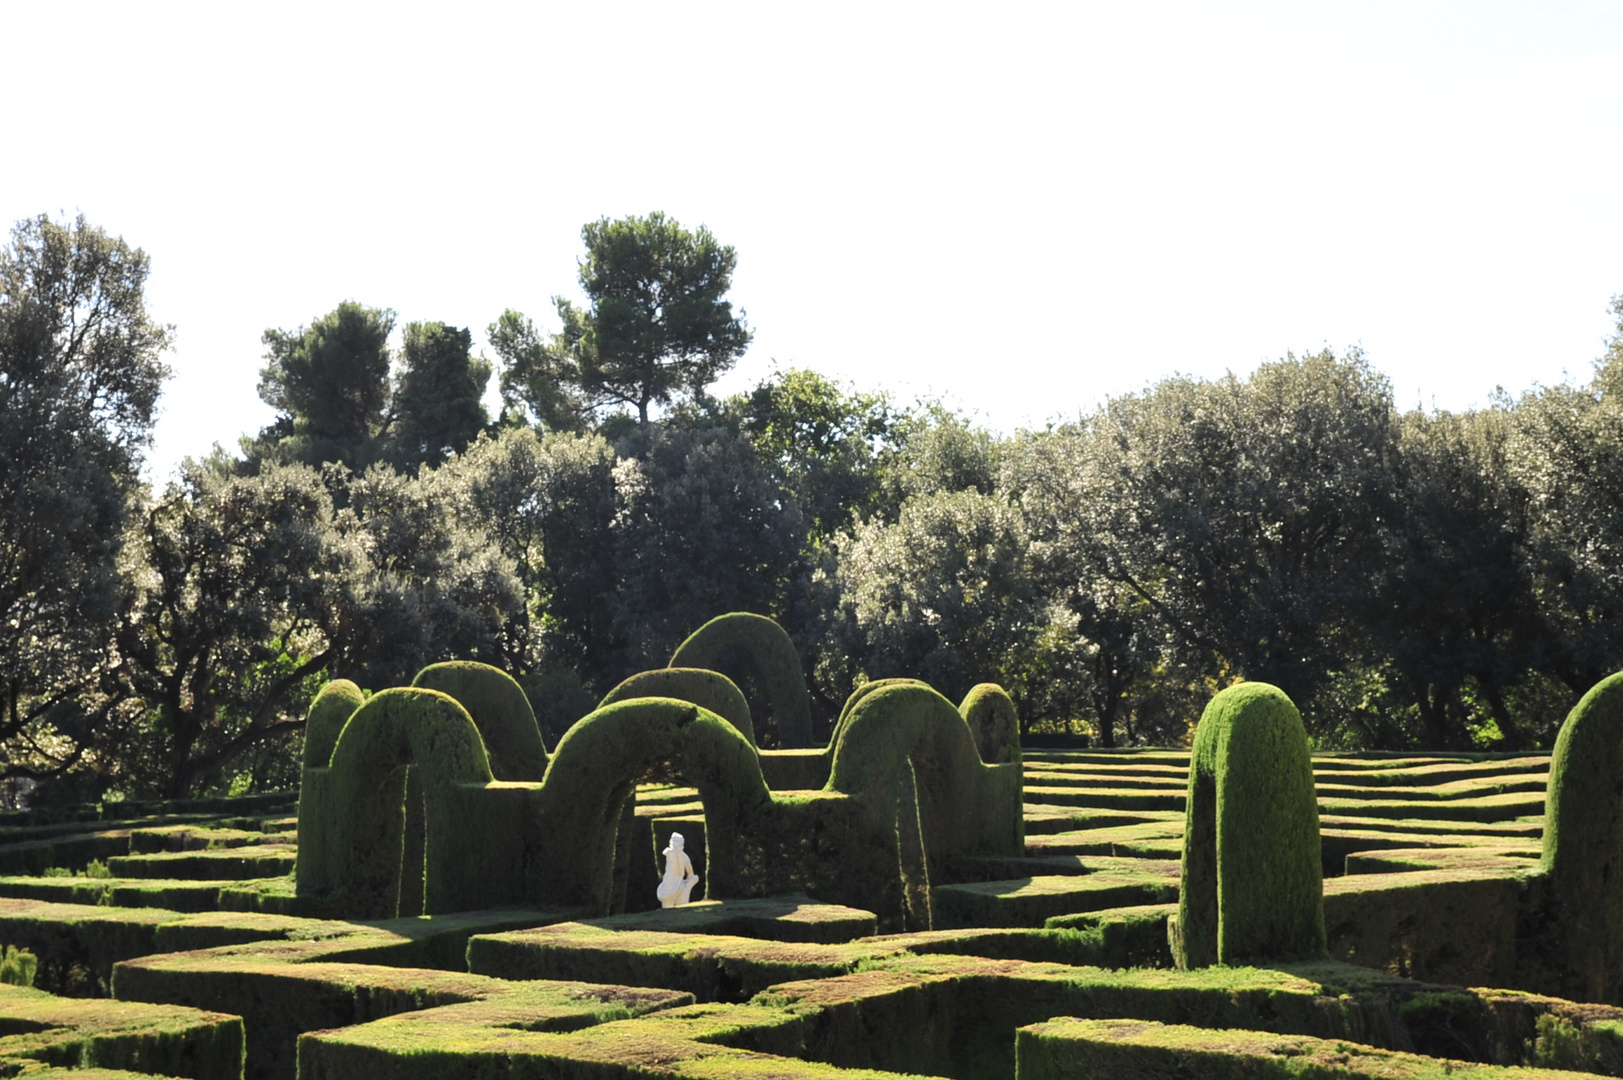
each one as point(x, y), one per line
point(350, 848)
point(500, 711)
point(742, 646)
point(710, 689)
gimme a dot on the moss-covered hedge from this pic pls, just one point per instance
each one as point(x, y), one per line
point(328, 714)
point(1583, 847)
point(37, 1027)
point(993, 720)
point(753, 648)
point(1071, 1049)
point(1252, 880)
point(351, 837)
point(710, 689)
point(500, 711)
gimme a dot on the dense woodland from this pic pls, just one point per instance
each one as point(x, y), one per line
point(1410, 578)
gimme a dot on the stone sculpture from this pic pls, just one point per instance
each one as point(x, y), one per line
point(679, 876)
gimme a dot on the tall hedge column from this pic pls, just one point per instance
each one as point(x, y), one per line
point(1583, 846)
point(1253, 885)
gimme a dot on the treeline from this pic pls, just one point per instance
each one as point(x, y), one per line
point(1412, 579)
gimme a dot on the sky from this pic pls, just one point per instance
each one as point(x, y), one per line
point(1022, 208)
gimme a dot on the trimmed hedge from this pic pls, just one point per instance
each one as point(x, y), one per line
point(1448, 926)
point(328, 714)
point(1033, 901)
point(710, 689)
point(1252, 881)
point(493, 1041)
point(76, 1034)
point(351, 837)
point(1071, 1049)
point(965, 807)
point(1583, 847)
point(775, 918)
point(747, 647)
point(991, 716)
point(712, 967)
point(500, 711)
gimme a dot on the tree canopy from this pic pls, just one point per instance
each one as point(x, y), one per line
point(1412, 578)
point(657, 323)
point(80, 372)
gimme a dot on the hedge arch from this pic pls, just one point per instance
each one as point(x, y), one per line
point(351, 851)
point(331, 709)
point(1252, 886)
point(993, 720)
point(596, 768)
point(740, 645)
point(905, 733)
point(500, 711)
point(710, 689)
point(1583, 846)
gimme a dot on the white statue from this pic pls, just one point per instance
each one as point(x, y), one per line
point(679, 876)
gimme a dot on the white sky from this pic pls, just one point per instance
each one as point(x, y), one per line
point(1024, 207)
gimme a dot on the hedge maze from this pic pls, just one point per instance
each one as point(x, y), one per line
point(447, 897)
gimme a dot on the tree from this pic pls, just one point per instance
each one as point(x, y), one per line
point(1248, 515)
point(944, 593)
point(1567, 451)
point(548, 503)
point(826, 446)
point(435, 587)
point(250, 591)
point(244, 590)
point(657, 325)
point(80, 373)
point(1113, 635)
point(540, 378)
point(939, 450)
point(330, 382)
point(1459, 610)
point(438, 406)
point(700, 529)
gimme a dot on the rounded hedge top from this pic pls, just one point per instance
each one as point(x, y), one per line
point(500, 711)
point(765, 647)
point(710, 689)
point(329, 712)
point(1253, 878)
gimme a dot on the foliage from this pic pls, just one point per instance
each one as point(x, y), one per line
point(1460, 615)
point(940, 450)
point(438, 406)
point(657, 324)
point(827, 446)
point(80, 372)
point(240, 593)
point(1247, 515)
point(1566, 450)
point(540, 380)
point(1103, 642)
point(432, 586)
point(944, 594)
point(17, 967)
point(699, 528)
point(548, 502)
point(329, 382)
point(248, 592)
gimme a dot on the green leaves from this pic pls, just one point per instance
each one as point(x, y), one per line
point(80, 371)
point(657, 326)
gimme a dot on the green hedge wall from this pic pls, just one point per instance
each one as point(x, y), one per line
point(1252, 881)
